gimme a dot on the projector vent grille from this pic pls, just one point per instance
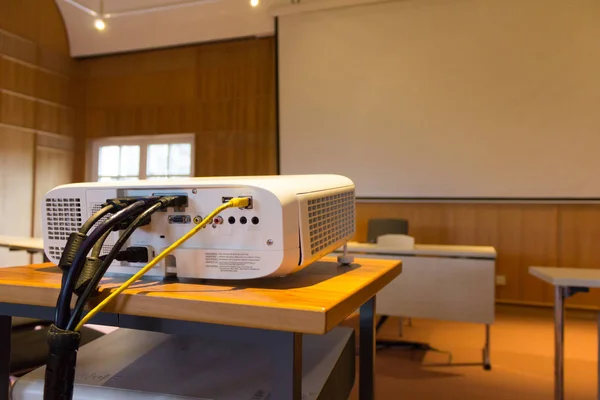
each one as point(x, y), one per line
point(331, 219)
point(63, 217)
point(55, 252)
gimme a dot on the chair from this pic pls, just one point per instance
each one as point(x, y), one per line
point(385, 226)
point(379, 227)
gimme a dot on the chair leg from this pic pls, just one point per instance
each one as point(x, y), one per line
point(381, 321)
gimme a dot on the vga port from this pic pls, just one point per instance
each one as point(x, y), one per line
point(180, 219)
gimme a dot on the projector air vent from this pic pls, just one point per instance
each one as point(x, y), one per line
point(63, 216)
point(331, 218)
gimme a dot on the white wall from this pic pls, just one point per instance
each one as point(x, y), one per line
point(445, 98)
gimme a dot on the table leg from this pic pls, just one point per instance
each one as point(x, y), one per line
point(559, 331)
point(366, 351)
point(5, 332)
point(286, 361)
point(487, 365)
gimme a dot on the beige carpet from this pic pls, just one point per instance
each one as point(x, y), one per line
point(522, 358)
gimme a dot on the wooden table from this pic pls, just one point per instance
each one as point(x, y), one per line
point(566, 282)
point(312, 301)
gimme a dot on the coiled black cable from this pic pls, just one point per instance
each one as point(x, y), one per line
point(93, 283)
point(62, 314)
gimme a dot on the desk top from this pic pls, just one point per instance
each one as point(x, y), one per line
point(573, 277)
point(22, 243)
point(313, 300)
point(432, 250)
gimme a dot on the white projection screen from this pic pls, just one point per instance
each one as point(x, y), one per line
point(445, 98)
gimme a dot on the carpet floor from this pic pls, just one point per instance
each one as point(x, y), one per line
point(522, 356)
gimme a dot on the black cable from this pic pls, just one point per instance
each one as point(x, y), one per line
point(66, 292)
point(92, 263)
point(97, 216)
point(77, 238)
point(63, 345)
point(93, 283)
point(97, 249)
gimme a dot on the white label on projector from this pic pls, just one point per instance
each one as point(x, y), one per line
point(232, 262)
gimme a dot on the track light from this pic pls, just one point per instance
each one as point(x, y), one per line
point(99, 24)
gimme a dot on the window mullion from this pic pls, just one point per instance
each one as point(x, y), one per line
point(143, 155)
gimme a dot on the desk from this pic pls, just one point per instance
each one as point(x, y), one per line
point(566, 282)
point(452, 283)
point(313, 301)
point(30, 245)
point(16, 243)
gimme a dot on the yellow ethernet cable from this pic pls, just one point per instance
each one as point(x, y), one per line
point(240, 202)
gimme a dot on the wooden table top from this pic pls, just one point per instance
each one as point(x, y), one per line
point(313, 300)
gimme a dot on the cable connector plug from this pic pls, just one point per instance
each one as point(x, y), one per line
point(126, 222)
point(71, 247)
point(120, 203)
point(241, 202)
point(178, 202)
point(92, 264)
point(133, 255)
point(169, 201)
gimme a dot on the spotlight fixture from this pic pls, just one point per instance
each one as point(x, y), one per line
point(254, 3)
point(99, 24)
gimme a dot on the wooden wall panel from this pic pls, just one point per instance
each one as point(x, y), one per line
point(17, 47)
point(53, 87)
point(523, 235)
point(17, 76)
point(21, 18)
point(52, 33)
point(579, 240)
point(47, 117)
point(16, 181)
point(527, 236)
point(54, 167)
point(223, 92)
point(16, 184)
point(17, 111)
point(36, 98)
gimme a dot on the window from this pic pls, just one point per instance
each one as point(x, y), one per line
point(142, 157)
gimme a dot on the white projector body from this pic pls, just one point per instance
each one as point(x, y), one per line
point(294, 220)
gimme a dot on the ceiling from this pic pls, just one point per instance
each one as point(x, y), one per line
point(180, 22)
point(145, 24)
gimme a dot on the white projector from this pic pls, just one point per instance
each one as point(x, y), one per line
point(292, 221)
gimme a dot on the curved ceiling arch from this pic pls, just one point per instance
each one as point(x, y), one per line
point(145, 24)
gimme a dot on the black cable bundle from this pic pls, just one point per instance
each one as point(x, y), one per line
point(88, 285)
point(60, 365)
point(85, 272)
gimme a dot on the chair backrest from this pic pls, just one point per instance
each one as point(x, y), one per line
point(378, 227)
